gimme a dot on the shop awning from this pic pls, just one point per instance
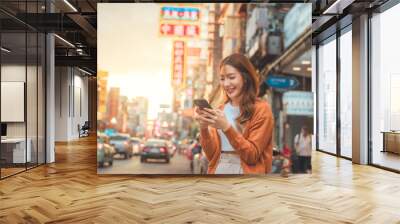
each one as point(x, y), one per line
point(299, 47)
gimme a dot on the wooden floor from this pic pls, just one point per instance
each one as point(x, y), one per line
point(387, 159)
point(10, 171)
point(70, 191)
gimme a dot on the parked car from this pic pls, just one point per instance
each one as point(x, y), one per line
point(121, 143)
point(105, 153)
point(137, 145)
point(155, 149)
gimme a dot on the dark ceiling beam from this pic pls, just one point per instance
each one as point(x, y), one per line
point(59, 22)
point(49, 22)
point(85, 51)
point(320, 22)
point(11, 25)
point(16, 18)
point(86, 26)
point(91, 5)
point(82, 61)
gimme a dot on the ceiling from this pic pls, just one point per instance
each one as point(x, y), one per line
point(75, 21)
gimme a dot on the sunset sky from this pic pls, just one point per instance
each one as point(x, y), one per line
point(136, 58)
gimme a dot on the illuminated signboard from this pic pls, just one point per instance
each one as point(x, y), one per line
point(178, 63)
point(296, 21)
point(179, 22)
point(179, 30)
point(281, 82)
point(178, 13)
point(299, 103)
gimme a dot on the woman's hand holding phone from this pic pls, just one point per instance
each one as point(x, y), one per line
point(218, 118)
point(203, 120)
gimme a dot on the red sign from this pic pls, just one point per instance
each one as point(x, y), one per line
point(178, 63)
point(179, 30)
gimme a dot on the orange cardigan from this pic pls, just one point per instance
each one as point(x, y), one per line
point(254, 146)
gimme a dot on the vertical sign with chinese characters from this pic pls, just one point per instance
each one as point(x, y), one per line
point(178, 63)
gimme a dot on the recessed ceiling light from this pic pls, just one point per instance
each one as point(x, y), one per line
point(296, 68)
point(305, 62)
point(309, 69)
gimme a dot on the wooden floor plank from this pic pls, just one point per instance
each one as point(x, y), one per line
point(70, 191)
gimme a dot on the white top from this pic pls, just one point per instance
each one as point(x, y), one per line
point(304, 148)
point(231, 113)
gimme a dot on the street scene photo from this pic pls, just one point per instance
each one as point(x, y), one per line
point(205, 88)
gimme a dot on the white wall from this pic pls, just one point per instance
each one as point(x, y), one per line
point(81, 100)
point(12, 73)
point(34, 125)
point(61, 103)
point(71, 94)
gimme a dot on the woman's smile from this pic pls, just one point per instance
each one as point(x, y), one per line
point(230, 90)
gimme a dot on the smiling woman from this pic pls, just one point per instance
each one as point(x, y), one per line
point(237, 137)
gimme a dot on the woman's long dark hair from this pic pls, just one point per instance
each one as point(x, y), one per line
point(250, 87)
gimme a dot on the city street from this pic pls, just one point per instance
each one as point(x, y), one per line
point(179, 164)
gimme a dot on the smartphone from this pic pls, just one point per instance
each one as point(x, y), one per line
point(202, 103)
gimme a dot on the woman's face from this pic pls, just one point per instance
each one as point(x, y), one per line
point(231, 81)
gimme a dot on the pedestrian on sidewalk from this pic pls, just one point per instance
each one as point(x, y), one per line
point(303, 144)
